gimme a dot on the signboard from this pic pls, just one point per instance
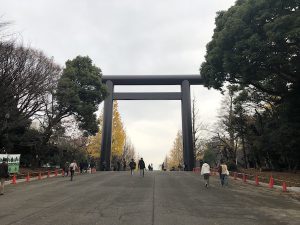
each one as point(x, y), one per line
point(13, 161)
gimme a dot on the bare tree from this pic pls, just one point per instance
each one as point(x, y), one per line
point(26, 76)
point(128, 151)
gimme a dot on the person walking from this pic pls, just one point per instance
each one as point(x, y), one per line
point(223, 171)
point(132, 166)
point(3, 175)
point(67, 168)
point(73, 167)
point(141, 167)
point(124, 165)
point(205, 171)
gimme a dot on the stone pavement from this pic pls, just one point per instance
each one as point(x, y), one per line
point(161, 198)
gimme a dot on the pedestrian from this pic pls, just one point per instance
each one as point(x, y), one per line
point(4, 174)
point(223, 171)
point(205, 171)
point(118, 165)
point(141, 167)
point(132, 166)
point(185, 168)
point(67, 168)
point(81, 167)
point(73, 167)
point(124, 165)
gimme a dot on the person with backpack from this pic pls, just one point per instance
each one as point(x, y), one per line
point(4, 174)
point(142, 167)
point(132, 166)
point(205, 171)
point(73, 167)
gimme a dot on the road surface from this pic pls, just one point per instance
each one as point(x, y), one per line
point(161, 198)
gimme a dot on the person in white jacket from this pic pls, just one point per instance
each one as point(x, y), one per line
point(205, 171)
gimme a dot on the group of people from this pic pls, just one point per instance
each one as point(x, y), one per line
point(141, 166)
point(222, 169)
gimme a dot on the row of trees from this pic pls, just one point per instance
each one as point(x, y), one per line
point(46, 112)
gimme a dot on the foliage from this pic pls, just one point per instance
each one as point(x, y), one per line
point(175, 157)
point(209, 157)
point(255, 48)
point(118, 133)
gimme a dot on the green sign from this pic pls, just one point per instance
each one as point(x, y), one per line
point(13, 161)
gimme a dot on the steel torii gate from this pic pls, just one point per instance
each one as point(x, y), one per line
point(184, 80)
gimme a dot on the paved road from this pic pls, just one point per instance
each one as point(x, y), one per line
point(161, 198)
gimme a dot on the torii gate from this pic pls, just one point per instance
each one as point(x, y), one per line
point(184, 80)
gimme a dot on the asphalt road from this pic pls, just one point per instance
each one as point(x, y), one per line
point(161, 198)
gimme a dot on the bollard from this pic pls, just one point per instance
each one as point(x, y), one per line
point(14, 179)
point(27, 177)
point(62, 173)
point(55, 173)
point(271, 182)
point(256, 180)
point(234, 175)
point(40, 176)
point(284, 189)
point(48, 174)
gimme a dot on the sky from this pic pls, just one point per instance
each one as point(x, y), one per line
point(129, 37)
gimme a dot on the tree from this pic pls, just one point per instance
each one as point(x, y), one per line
point(255, 43)
point(176, 153)
point(255, 47)
point(26, 76)
point(118, 133)
point(129, 150)
point(78, 94)
point(121, 144)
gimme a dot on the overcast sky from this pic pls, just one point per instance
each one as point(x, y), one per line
point(129, 37)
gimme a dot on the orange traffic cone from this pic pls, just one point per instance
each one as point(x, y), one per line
point(27, 177)
point(40, 176)
point(256, 180)
point(271, 182)
point(14, 180)
point(284, 189)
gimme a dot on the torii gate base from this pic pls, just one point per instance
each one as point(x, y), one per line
point(184, 80)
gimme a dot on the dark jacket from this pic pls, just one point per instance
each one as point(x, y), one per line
point(132, 165)
point(142, 164)
point(4, 170)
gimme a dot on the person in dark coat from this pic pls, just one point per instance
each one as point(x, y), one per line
point(124, 165)
point(141, 167)
point(3, 174)
point(132, 166)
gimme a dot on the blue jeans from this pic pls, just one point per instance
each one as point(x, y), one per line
point(223, 178)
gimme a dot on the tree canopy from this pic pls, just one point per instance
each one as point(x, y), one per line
point(80, 91)
point(255, 48)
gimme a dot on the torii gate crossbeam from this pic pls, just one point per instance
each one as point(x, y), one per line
point(184, 80)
